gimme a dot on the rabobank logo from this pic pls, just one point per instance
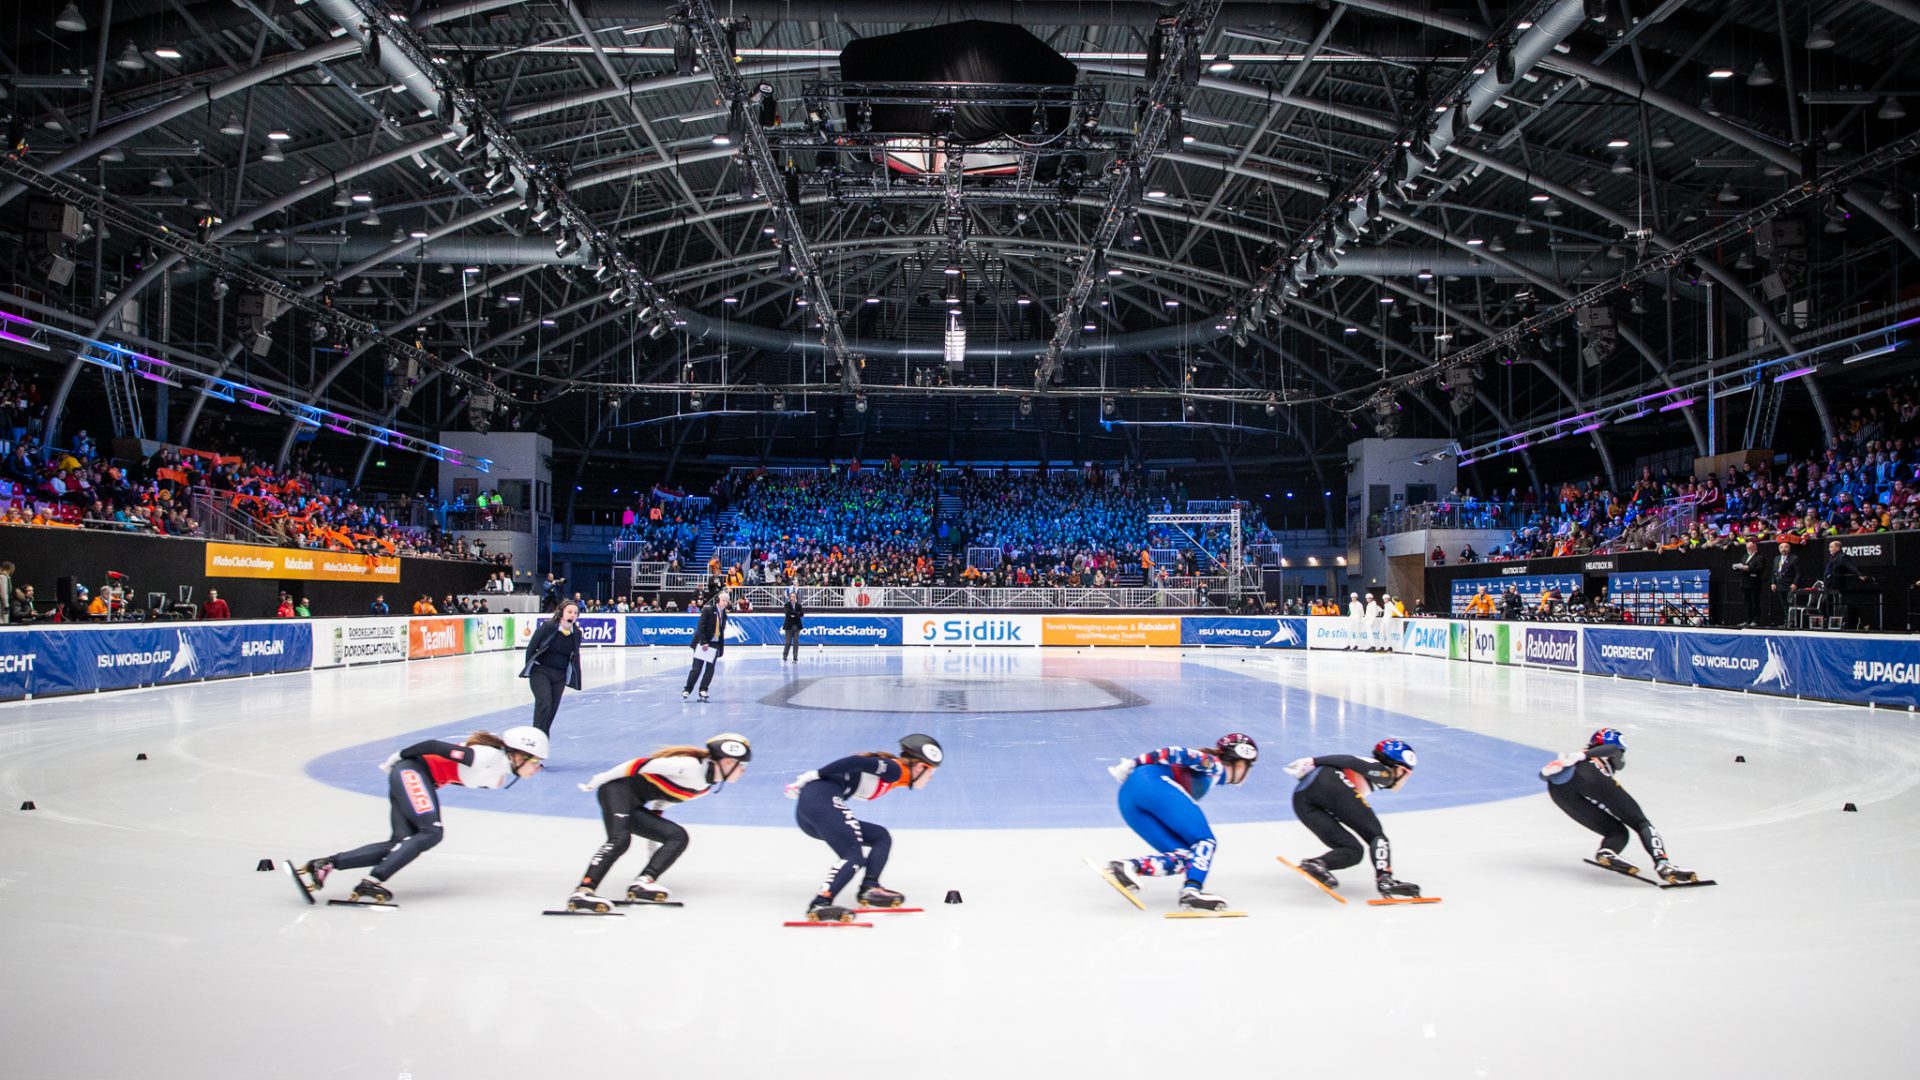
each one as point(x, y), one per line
point(1553, 648)
point(599, 631)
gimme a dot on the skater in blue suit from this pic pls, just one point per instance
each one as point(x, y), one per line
point(1160, 794)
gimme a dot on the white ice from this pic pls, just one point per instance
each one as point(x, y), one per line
point(139, 940)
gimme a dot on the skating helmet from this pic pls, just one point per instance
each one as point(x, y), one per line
point(923, 748)
point(1607, 736)
point(1395, 752)
point(729, 745)
point(1238, 747)
point(528, 740)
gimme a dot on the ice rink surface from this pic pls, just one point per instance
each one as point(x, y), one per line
point(140, 941)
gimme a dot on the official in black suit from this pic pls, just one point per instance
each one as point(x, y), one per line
point(711, 632)
point(1840, 577)
point(1786, 575)
point(791, 615)
point(1753, 585)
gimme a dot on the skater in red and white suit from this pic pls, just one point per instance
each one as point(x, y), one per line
point(414, 777)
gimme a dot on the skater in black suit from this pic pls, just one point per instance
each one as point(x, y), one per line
point(1583, 783)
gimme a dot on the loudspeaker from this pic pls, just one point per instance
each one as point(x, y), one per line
point(63, 590)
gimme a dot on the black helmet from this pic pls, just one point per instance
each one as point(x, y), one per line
point(924, 748)
point(1236, 746)
point(729, 745)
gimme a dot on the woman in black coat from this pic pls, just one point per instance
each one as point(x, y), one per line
point(553, 662)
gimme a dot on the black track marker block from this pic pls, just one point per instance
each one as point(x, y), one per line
point(953, 896)
point(1849, 808)
point(139, 757)
point(1739, 759)
point(265, 866)
point(28, 805)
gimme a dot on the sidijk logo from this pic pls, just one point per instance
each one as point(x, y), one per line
point(1001, 630)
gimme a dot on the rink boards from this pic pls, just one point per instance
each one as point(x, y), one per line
point(1881, 670)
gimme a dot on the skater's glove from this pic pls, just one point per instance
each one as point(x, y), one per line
point(1121, 771)
point(805, 778)
point(392, 760)
point(1299, 768)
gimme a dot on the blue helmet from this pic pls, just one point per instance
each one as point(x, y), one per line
point(1607, 736)
point(1395, 752)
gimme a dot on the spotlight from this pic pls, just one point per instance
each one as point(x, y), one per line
point(70, 19)
point(859, 403)
point(1026, 406)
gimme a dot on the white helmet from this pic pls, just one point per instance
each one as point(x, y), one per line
point(527, 740)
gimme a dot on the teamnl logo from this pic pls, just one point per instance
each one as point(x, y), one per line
point(1000, 631)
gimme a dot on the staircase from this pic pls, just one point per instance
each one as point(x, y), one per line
point(948, 511)
point(710, 531)
point(123, 404)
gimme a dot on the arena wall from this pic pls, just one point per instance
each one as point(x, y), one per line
point(1877, 670)
point(43, 555)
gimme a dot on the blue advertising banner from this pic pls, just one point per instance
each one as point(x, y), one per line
point(1649, 595)
point(1882, 671)
point(843, 630)
point(1550, 646)
point(1636, 654)
point(661, 629)
point(603, 630)
point(1259, 631)
point(18, 655)
point(1732, 661)
point(1530, 586)
point(765, 630)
